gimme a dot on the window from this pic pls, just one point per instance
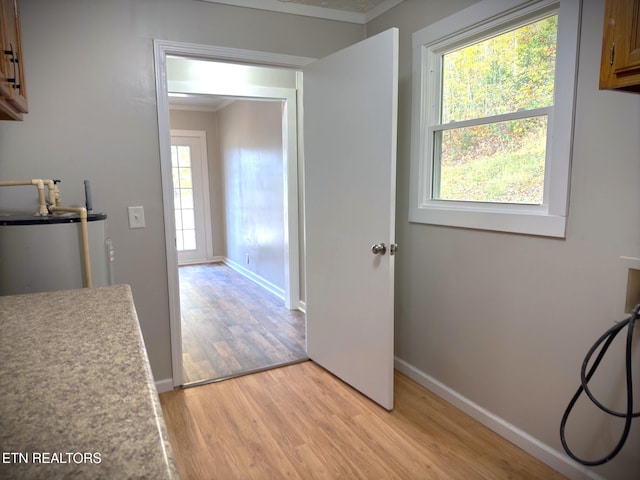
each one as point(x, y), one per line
point(183, 197)
point(493, 117)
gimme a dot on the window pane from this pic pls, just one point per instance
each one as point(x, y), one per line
point(175, 173)
point(174, 156)
point(184, 178)
point(183, 197)
point(498, 162)
point(186, 197)
point(189, 239)
point(188, 218)
point(184, 156)
point(177, 204)
point(502, 74)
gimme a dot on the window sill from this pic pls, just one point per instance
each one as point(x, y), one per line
point(529, 220)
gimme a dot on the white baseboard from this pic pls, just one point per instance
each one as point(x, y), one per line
point(267, 285)
point(165, 385)
point(522, 439)
point(217, 259)
point(277, 291)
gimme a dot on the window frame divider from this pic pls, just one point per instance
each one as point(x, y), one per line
point(503, 117)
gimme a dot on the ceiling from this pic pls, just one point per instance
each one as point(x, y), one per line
point(353, 11)
point(361, 6)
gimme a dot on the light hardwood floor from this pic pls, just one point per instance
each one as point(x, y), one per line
point(231, 325)
point(300, 422)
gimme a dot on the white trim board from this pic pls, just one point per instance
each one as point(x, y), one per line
point(216, 259)
point(237, 55)
point(164, 385)
point(522, 439)
point(313, 11)
point(255, 278)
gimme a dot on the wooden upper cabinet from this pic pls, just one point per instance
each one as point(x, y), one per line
point(620, 63)
point(13, 89)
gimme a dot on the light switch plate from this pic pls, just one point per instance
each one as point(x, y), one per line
point(136, 217)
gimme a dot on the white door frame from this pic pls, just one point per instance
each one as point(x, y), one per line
point(203, 186)
point(162, 48)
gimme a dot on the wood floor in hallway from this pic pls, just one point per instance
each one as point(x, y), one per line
point(301, 422)
point(231, 325)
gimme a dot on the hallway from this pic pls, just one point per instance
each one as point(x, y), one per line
point(231, 325)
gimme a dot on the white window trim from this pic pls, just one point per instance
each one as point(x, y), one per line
point(548, 219)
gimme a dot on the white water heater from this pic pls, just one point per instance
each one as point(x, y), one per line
point(45, 253)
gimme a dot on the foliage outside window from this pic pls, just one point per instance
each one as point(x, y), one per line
point(490, 138)
point(497, 158)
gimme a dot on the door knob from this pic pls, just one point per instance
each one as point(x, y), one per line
point(379, 249)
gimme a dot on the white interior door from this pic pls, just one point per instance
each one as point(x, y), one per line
point(350, 113)
point(190, 196)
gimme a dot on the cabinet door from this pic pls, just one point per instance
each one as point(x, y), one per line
point(7, 111)
point(627, 37)
point(12, 56)
point(5, 90)
point(620, 64)
point(632, 59)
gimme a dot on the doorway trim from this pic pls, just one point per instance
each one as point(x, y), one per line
point(291, 123)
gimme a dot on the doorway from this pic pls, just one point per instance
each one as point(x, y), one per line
point(189, 167)
point(230, 324)
point(341, 116)
point(229, 86)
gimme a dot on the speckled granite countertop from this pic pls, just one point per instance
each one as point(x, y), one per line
point(77, 395)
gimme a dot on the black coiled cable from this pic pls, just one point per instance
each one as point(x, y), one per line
point(629, 414)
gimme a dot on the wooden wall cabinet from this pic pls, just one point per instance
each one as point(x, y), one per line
point(13, 89)
point(620, 62)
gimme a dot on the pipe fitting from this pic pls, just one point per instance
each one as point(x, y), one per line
point(39, 184)
point(82, 212)
point(54, 206)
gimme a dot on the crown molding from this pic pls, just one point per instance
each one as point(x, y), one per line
point(311, 10)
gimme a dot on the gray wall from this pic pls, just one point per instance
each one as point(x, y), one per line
point(505, 320)
point(208, 122)
point(250, 135)
point(91, 87)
